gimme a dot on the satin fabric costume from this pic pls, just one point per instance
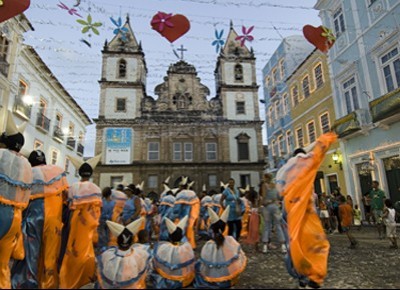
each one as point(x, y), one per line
point(309, 247)
point(78, 264)
point(42, 227)
point(165, 210)
point(15, 184)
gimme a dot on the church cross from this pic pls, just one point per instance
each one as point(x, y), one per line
point(182, 50)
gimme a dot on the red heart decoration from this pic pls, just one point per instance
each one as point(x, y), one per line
point(12, 8)
point(314, 36)
point(180, 23)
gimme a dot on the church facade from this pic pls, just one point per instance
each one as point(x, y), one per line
point(182, 131)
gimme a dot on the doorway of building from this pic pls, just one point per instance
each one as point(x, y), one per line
point(392, 170)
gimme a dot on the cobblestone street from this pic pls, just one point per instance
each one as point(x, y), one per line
point(371, 265)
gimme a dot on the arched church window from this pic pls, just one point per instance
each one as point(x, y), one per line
point(243, 146)
point(238, 72)
point(122, 68)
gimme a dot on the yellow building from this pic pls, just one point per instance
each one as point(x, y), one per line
point(312, 112)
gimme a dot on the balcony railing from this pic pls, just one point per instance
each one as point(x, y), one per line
point(4, 66)
point(351, 123)
point(43, 122)
point(58, 134)
point(385, 107)
point(22, 108)
point(71, 142)
point(80, 149)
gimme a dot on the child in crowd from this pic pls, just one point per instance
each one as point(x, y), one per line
point(389, 218)
point(253, 237)
point(346, 219)
point(357, 217)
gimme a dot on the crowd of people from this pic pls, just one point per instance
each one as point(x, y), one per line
point(54, 234)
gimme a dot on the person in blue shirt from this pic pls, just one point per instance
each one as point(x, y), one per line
point(106, 214)
point(133, 206)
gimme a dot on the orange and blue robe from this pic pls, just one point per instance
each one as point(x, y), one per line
point(78, 263)
point(187, 204)
point(173, 265)
point(41, 227)
point(220, 267)
point(165, 210)
point(205, 203)
point(15, 191)
point(120, 199)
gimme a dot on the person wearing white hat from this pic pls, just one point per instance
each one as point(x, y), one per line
point(42, 223)
point(78, 263)
point(173, 261)
point(119, 197)
point(165, 210)
point(221, 260)
point(125, 266)
point(187, 204)
point(15, 191)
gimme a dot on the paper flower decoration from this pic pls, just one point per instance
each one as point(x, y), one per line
point(88, 25)
point(246, 35)
point(218, 43)
point(71, 11)
point(119, 29)
point(163, 20)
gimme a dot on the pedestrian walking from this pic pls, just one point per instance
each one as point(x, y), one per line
point(377, 197)
point(389, 218)
point(346, 218)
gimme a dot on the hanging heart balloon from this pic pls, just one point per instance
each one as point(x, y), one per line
point(170, 26)
point(11, 8)
point(321, 37)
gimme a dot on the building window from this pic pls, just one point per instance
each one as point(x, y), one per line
point(212, 180)
point(285, 104)
point(325, 125)
point(240, 108)
point(281, 145)
point(152, 181)
point(177, 151)
point(350, 94)
point(277, 110)
point(268, 82)
point(188, 151)
point(300, 138)
point(59, 121)
point(282, 68)
point(71, 130)
point(270, 116)
point(122, 68)
point(54, 157)
point(211, 151)
point(244, 180)
point(289, 141)
point(238, 73)
point(38, 145)
point(243, 146)
point(319, 80)
point(295, 96)
point(391, 69)
point(116, 180)
point(338, 21)
point(306, 86)
point(275, 76)
point(311, 131)
point(154, 150)
point(273, 148)
point(4, 44)
point(66, 167)
point(121, 105)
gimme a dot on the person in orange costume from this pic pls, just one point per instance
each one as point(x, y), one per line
point(187, 204)
point(41, 226)
point(78, 263)
point(308, 245)
point(245, 220)
point(15, 184)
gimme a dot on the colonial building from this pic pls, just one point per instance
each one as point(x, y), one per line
point(313, 114)
point(286, 58)
point(181, 131)
point(365, 66)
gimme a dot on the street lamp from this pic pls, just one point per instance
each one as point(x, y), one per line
point(335, 157)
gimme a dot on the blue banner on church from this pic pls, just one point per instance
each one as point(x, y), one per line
point(118, 145)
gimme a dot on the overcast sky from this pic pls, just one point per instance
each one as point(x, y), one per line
point(57, 38)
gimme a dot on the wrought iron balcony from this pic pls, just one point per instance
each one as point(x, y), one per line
point(386, 108)
point(80, 148)
point(58, 134)
point(71, 142)
point(351, 123)
point(4, 66)
point(22, 108)
point(43, 122)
